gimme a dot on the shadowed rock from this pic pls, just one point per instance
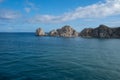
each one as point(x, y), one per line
point(102, 31)
point(53, 33)
point(87, 32)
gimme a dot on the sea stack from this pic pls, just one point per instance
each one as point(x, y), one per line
point(66, 31)
point(40, 32)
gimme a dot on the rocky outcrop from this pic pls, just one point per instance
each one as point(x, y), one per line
point(53, 33)
point(102, 31)
point(40, 32)
point(87, 32)
point(66, 31)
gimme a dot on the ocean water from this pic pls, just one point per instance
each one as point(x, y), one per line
point(24, 56)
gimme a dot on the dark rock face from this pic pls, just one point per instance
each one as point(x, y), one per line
point(102, 31)
point(65, 31)
point(40, 32)
point(87, 32)
point(116, 32)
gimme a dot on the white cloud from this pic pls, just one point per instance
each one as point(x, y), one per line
point(8, 15)
point(29, 3)
point(98, 10)
point(30, 6)
point(27, 9)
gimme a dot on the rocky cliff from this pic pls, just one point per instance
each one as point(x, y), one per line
point(102, 31)
point(66, 31)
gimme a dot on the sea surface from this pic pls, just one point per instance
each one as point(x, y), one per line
point(24, 56)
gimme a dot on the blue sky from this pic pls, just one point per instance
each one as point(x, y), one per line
point(27, 15)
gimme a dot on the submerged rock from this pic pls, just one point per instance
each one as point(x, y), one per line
point(102, 31)
point(40, 32)
point(66, 31)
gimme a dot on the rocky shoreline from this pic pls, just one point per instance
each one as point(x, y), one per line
point(102, 31)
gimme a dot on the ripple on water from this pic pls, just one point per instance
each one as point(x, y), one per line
point(48, 58)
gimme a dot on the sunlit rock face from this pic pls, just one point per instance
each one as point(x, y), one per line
point(66, 31)
point(40, 32)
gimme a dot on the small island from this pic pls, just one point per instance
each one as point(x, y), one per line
point(102, 31)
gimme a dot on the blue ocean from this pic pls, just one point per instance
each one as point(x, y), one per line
point(24, 56)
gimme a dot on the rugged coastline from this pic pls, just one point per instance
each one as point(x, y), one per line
point(102, 31)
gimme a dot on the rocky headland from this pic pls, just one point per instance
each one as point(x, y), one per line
point(102, 31)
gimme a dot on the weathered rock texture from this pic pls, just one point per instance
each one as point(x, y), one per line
point(102, 31)
point(40, 32)
point(65, 31)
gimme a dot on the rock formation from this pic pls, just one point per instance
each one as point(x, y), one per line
point(65, 31)
point(40, 32)
point(87, 32)
point(53, 33)
point(102, 31)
